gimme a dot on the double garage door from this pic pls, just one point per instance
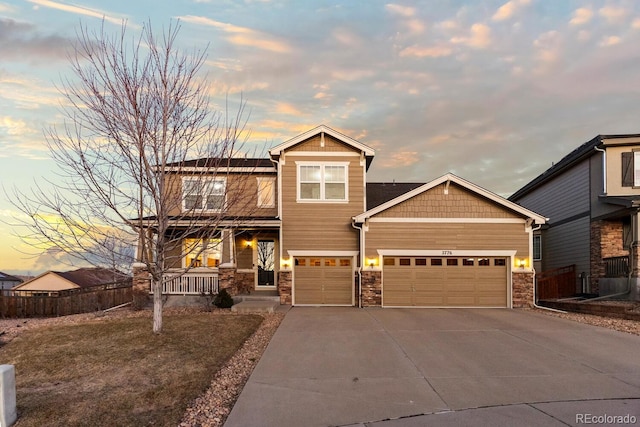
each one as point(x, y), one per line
point(444, 281)
point(323, 281)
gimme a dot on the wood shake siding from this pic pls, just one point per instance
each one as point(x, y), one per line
point(320, 225)
point(447, 236)
point(459, 203)
point(315, 144)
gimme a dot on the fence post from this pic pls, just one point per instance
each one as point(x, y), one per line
point(8, 412)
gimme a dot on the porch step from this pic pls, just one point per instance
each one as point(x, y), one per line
point(258, 296)
point(255, 306)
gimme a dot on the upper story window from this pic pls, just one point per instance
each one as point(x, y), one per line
point(267, 192)
point(322, 181)
point(631, 169)
point(203, 194)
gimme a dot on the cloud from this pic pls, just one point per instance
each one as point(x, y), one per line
point(399, 159)
point(479, 37)
point(242, 36)
point(581, 16)
point(6, 8)
point(286, 108)
point(81, 10)
point(636, 24)
point(426, 51)
point(508, 10)
point(20, 41)
point(404, 11)
point(610, 41)
point(613, 14)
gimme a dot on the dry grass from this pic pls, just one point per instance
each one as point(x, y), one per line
point(117, 372)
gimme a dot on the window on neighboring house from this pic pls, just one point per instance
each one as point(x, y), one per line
point(266, 192)
point(322, 181)
point(201, 252)
point(631, 169)
point(203, 194)
point(627, 233)
point(537, 247)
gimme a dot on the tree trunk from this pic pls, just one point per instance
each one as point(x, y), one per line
point(157, 306)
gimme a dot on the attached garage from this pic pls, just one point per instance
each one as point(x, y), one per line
point(421, 281)
point(323, 280)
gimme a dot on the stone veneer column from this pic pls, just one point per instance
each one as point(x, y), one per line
point(596, 265)
point(226, 279)
point(606, 241)
point(371, 288)
point(522, 289)
point(141, 277)
point(284, 286)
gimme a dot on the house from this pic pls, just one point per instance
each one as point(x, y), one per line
point(52, 282)
point(322, 235)
point(592, 197)
point(8, 281)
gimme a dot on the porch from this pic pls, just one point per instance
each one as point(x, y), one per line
point(193, 282)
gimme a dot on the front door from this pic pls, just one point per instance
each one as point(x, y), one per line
point(266, 262)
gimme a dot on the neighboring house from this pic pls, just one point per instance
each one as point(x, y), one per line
point(51, 282)
point(592, 197)
point(8, 281)
point(328, 237)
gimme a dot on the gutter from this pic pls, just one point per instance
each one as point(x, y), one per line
point(361, 244)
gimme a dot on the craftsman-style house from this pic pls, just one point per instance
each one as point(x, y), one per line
point(592, 197)
point(323, 235)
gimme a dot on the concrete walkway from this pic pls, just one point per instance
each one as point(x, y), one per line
point(334, 366)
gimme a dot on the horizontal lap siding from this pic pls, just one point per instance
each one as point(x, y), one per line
point(315, 144)
point(320, 226)
point(447, 236)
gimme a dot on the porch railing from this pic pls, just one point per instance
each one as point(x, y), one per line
point(190, 283)
point(617, 266)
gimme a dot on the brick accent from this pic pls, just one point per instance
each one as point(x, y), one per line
point(284, 287)
point(244, 282)
point(226, 280)
point(522, 295)
point(371, 288)
point(606, 241)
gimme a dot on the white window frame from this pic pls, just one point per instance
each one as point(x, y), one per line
point(322, 198)
point(207, 184)
point(270, 200)
point(636, 168)
point(208, 248)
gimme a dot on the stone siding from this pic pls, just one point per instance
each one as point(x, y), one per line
point(226, 280)
point(245, 282)
point(522, 289)
point(371, 288)
point(606, 241)
point(284, 287)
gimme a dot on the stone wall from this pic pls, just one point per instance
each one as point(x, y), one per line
point(284, 287)
point(522, 294)
point(371, 288)
point(245, 282)
point(606, 241)
point(141, 278)
point(226, 280)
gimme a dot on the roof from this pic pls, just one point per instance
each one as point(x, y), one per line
point(381, 192)
point(584, 151)
point(9, 278)
point(538, 219)
point(368, 151)
point(84, 277)
point(230, 162)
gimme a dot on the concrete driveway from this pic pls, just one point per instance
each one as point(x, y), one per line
point(331, 366)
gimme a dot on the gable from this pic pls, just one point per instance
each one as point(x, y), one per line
point(457, 202)
point(323, 143)
point(49, 281)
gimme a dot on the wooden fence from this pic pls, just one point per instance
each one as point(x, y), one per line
point(556, 283)
point(15, 304)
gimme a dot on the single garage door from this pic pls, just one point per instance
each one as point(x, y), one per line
point(323, 281)
point(444, 281)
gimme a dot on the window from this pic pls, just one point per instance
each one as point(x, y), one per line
point(322, 181)
point(329, 262)
point(421, 261)
point(315, 262)
point(499, 262)
point(201, 252)
point(483, 261)
point(537, 247)
point(631, 169)
point(467, 262)
point(389, 261)
point(405, 261)
point(345, 262)
point(302, 262)
point(452, 261)
point(436, 261)
point(203, 194)
point(266, 192)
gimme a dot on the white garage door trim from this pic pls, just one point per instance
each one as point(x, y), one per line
point(452, 253)
point(322, 254)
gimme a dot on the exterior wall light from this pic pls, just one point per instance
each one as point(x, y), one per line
point(371, 262)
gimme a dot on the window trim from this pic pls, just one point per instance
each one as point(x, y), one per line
point(537, 237)
point(261, 202)
point(322, 198)
point(206, 182)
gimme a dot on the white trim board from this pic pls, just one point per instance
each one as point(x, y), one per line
point(452, 220)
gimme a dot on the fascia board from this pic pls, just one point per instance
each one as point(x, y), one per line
point(278, 149)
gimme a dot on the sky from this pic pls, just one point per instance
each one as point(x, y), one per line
point(492, 91)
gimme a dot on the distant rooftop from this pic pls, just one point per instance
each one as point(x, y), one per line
point(381, 192)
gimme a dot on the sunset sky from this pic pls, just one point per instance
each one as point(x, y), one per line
point(491, 91)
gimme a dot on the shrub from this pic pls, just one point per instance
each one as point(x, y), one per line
point(223, 299)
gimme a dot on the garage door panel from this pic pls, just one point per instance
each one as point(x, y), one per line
point(323, 280)
point(444, 281)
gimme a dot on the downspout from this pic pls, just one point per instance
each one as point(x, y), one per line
point(361, 244)
point(535, 285)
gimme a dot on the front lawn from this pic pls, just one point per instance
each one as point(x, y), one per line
point(117, 372)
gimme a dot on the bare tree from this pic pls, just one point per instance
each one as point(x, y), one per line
point(135, 111)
